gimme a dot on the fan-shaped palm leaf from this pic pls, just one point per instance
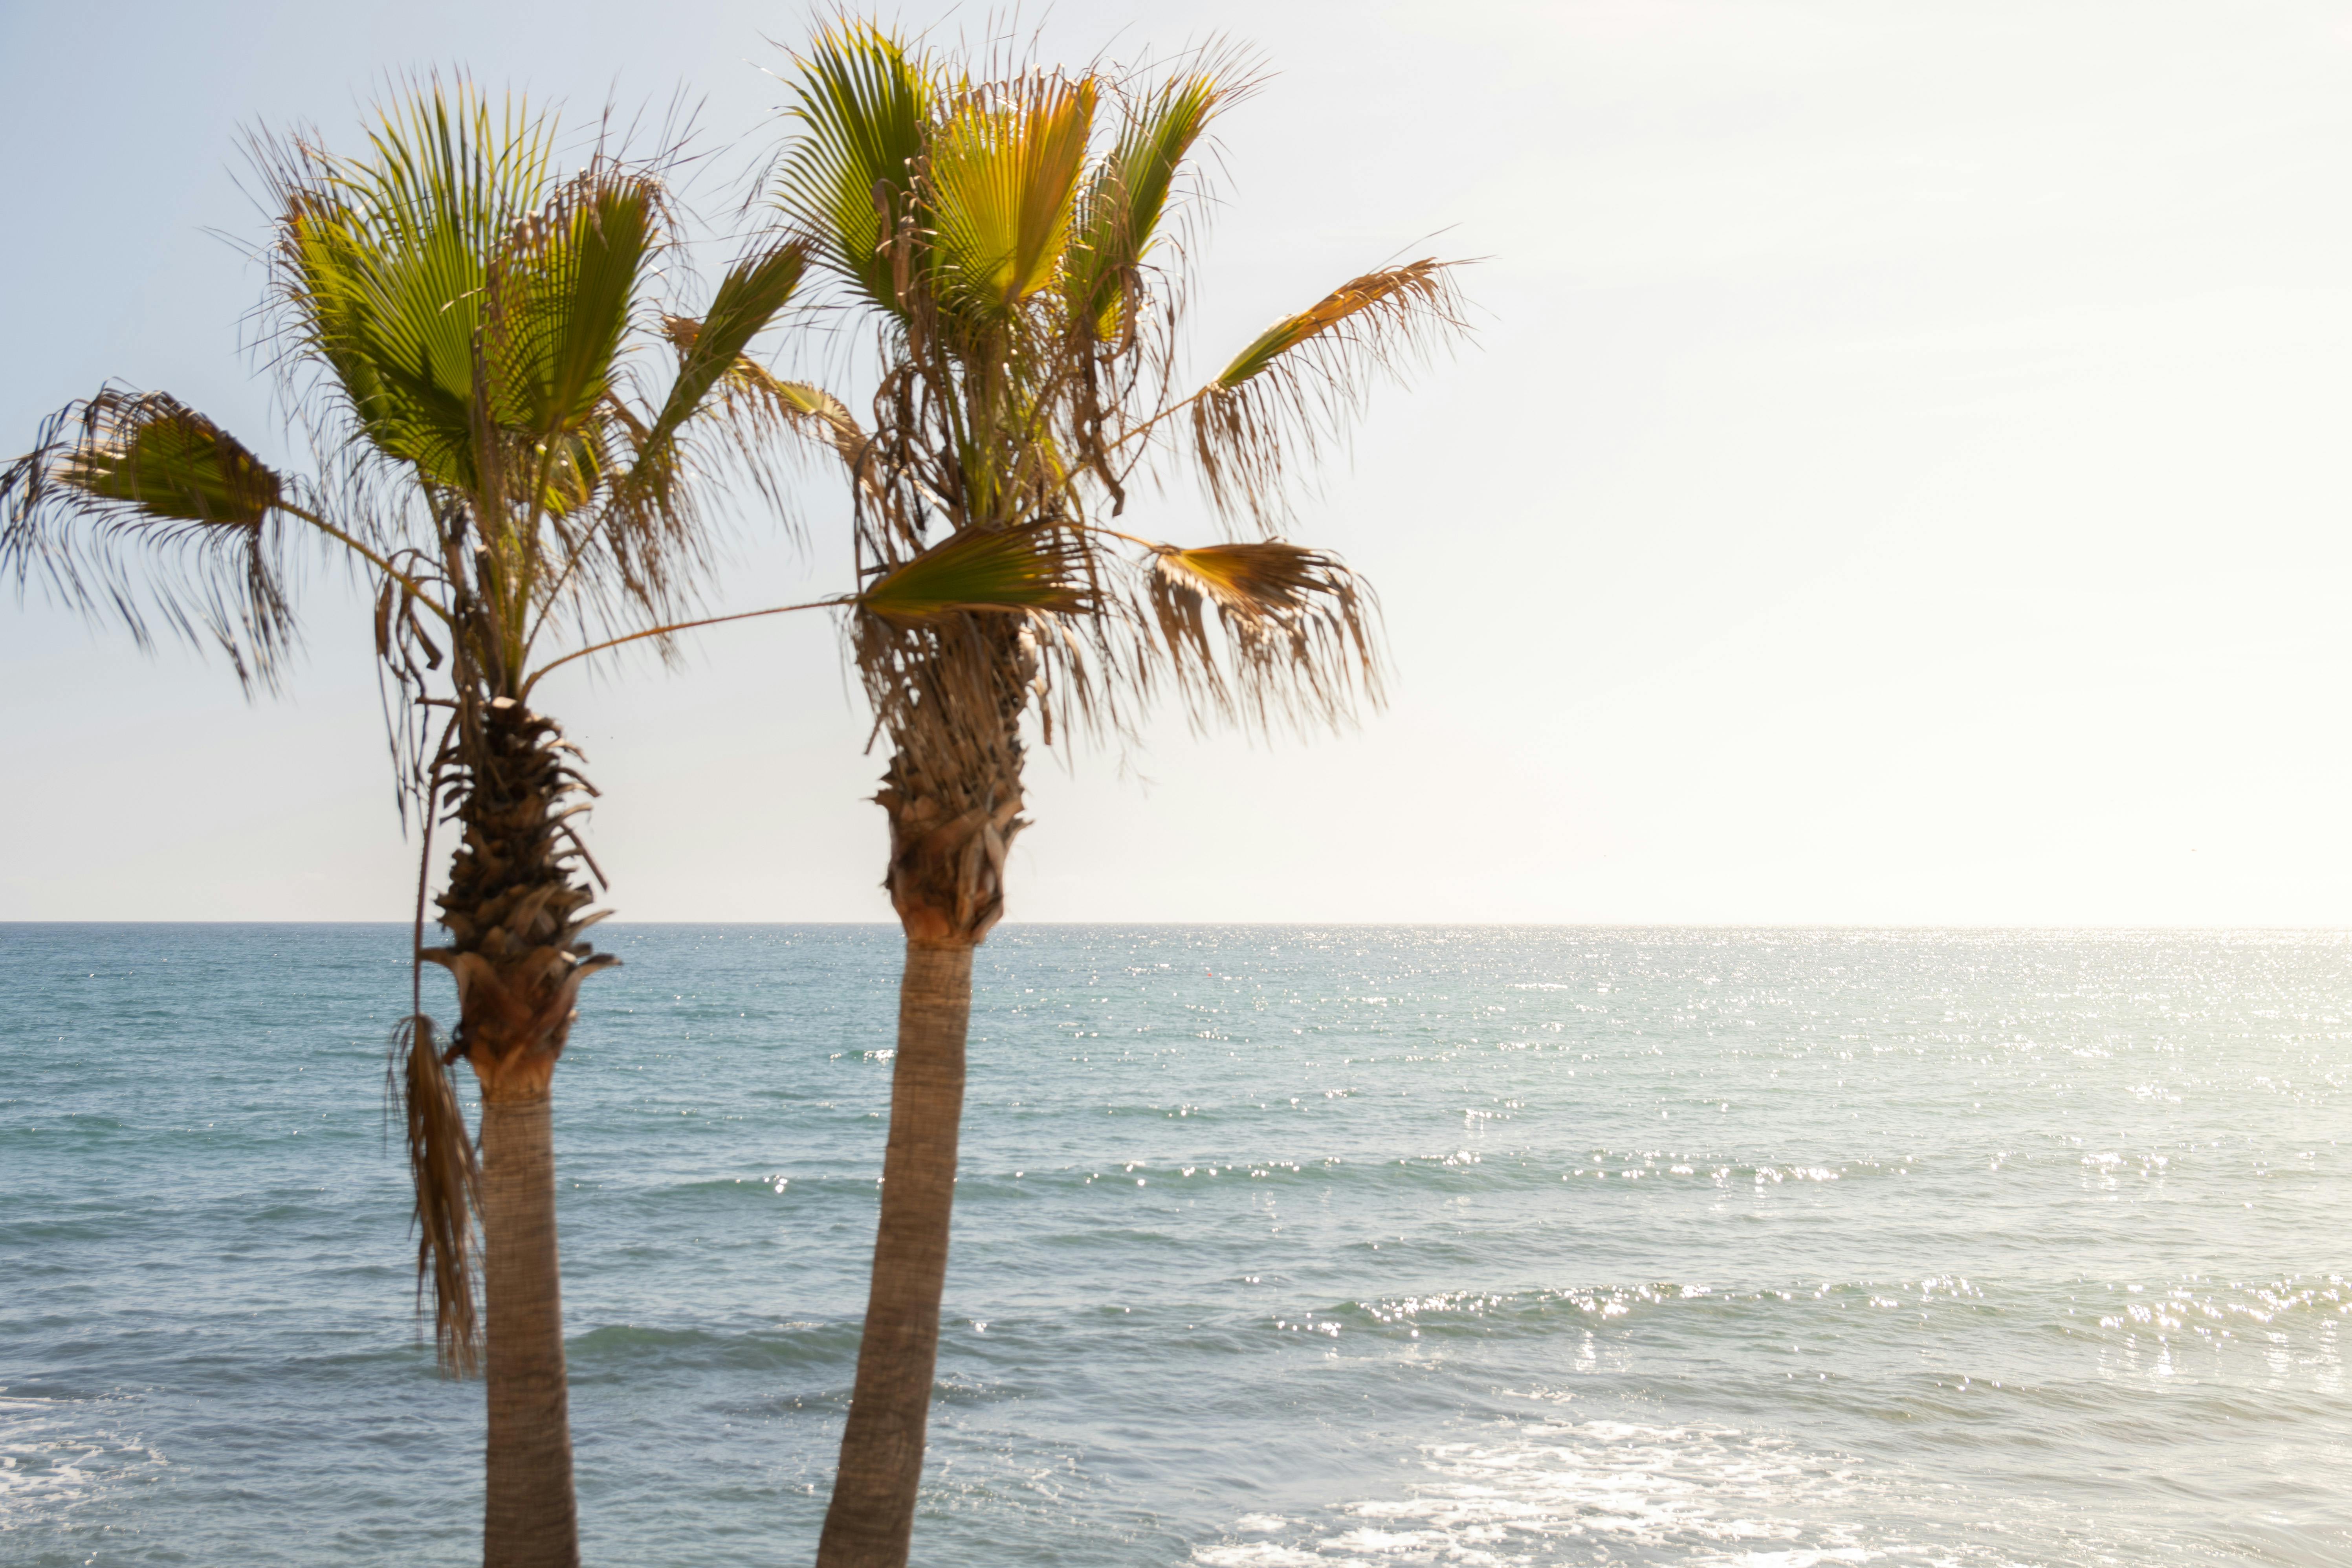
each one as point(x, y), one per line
point(1038, 568)
point(384, 264)
point(1129, 194)
point(864, 103)
point(397, 330)
point(711, 360)
point(1002, 186)
point(1300, 629)
point(752, 295)
point(138, 504)
point(562, 284)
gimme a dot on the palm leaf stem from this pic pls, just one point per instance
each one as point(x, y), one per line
point(553, 596)
point(415, 589)
point(679, 627)
point(1151, 544)
point(1172, 409)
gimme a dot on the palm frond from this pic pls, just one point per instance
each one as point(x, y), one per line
point(1038, 568)
point(471, 313)
point(447, 1182)
point(562, 285)
point(1002, 187)
point(135, 505)
point(650, 503)
point(865, 103)
point(804, 408)
point(383, 264)
point(1299, 382)
point(396, 332)
point(1121, 213)
point(1300, 633)
point(1395, 301)
point(711, 351)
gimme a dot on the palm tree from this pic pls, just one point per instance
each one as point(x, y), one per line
point(458, 319)
point(1005, 241)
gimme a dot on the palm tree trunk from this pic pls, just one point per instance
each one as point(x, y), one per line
point(529, 1518)
point(515, 916)
point(872, 1517)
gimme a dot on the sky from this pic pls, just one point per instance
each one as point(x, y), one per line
point(1899, 475)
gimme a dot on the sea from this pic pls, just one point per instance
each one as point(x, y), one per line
point(1276, 1246)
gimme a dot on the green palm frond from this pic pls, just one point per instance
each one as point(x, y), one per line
point(473, 313)
point(135, 506)
point(1297, 382)
point(711, 351)
point(1036, 568)
point(450, 265)
point(864, 104)
point(1128, 197)
point(171, 462)
point(397, 330)
point(1002, 187)
point(384, 263)
point(445, 161)
point(562, 285)
point(711, 363)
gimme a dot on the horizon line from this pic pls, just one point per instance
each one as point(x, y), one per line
point(1340, 925)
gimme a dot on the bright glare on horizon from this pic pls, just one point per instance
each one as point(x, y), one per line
point(1897, 479)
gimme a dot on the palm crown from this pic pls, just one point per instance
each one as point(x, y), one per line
point(1010, 239)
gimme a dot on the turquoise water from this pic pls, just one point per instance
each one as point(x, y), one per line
point(1276, 1246)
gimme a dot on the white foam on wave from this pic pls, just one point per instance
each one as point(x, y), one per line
point(1260, 1554)
point(1547, 1492)
point(51, 1460)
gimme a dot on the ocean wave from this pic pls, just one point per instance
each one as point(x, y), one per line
point(1552, 1492)
point(2293, 1325)
point(58, 1454)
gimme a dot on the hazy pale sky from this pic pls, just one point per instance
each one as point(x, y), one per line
point(1901, 476)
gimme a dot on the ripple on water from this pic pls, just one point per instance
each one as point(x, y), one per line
point(58, 1453)
point(1546, 1492)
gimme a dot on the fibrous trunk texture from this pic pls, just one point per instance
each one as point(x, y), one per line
point(951, 699)
point(513, 908)
point(872, 1517)
point(514, 912)
point(948, 845)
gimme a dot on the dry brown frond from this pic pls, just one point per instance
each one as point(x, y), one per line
point(448, 1189)
point(1301, 633)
